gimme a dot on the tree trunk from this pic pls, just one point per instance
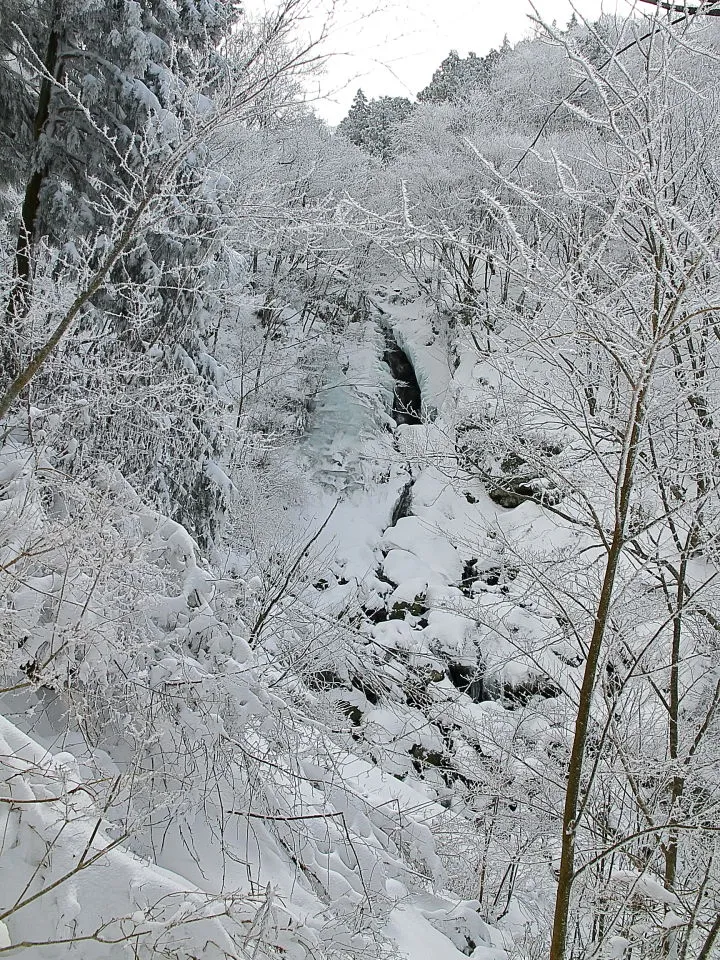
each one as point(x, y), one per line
point(566, 876)
point(17, 302)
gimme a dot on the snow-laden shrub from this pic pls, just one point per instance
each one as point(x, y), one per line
point(201, 783)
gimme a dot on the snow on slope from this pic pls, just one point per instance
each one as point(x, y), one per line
point(306, 760)
point(70, 876)
point(215, 805)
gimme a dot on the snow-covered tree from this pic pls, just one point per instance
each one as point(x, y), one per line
point(602, 414)
point(459, 78)
point(372, 124)
point(286, 671)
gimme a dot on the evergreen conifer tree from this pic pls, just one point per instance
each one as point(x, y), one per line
point(355, 125)
point(99, 93)
point(370, 124)
point(458, 78)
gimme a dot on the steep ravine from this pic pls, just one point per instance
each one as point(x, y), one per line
point(466, 674)
point(406, 408)
point(407, 399)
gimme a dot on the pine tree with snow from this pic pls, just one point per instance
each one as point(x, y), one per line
point(110, 91)
point(91, 77)
point(371, 124)
point(458, 78)
point(354, 127)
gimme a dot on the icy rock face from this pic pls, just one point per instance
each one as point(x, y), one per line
point(511, 480)
point(468, 679)
point(407, 401)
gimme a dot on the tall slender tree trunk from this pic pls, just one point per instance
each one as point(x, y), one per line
point(17, 302)
point(558, 945)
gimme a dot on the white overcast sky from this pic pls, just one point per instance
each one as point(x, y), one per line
point(392, 47)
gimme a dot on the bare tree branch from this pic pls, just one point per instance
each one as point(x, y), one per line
point(710, 9)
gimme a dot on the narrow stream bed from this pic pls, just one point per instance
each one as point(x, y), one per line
point(407, 400)
point(406, 409)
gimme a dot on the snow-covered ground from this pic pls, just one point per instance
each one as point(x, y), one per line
point(342, 669)
point(311, 838)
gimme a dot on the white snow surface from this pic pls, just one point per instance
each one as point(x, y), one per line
point(298, 830)
point(304, 822)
